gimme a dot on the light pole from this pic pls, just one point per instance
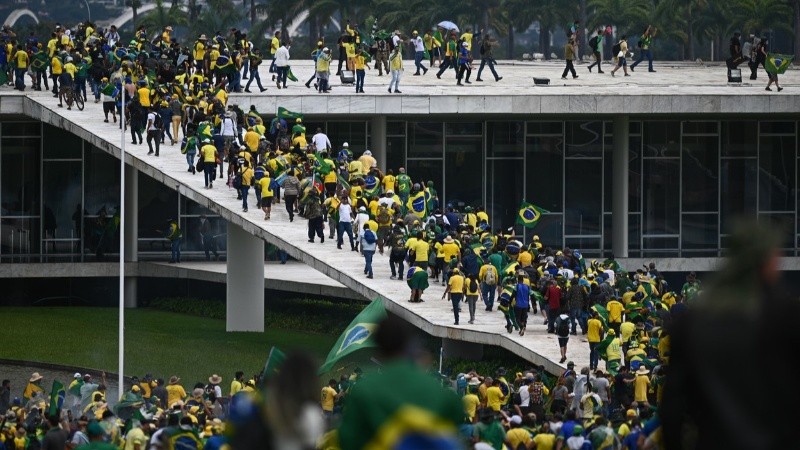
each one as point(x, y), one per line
point(121, 338)
point(88, 10)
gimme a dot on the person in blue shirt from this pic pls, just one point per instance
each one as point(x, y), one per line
point(464, 63)
point(522, 296)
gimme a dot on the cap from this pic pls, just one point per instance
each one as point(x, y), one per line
point(570, 364)
point(345, 145)
point(631, 413)
point(517, 420)
point(77, 375)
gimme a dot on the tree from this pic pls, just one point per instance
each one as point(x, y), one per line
point(216, 15)
point(714, 23)
point(161, 17)
point(134, 5)
point(762, 15)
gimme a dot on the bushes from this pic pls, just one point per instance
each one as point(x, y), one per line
point(296, 314)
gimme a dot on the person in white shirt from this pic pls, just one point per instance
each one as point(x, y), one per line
point(387, 200)
point(396, 40)
point(419, 53)
point(153, 131)
point(321, 141)
point(282, 63)
point(361, 219)
point(345, 224)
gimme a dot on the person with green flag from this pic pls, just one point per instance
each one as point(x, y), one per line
point(357, 335)
point(401, 406)
point(57, 396)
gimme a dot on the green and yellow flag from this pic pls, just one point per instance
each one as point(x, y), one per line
point(357, 335)
point(529, 214)
point(285, 114)
point(417, 204)
point(274, 362)
point(323, 167)
point(602, 315)
point(777, 63)
point(57, 395)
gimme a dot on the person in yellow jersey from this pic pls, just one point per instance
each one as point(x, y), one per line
point(237, 383)
point(420, 248)
point(265, 187)
point(199, 54)
point(471, 401)
point(625, 332)
point(247, 180)
point(594, 335)
point(20, 59)
point(472, 290)
point(274, 45)
point(517, 436)
point(166, 35)
point(641, 385)
point(175, 391)
point(396, 66)
point(388, 181)
point(455, 289)
point(494, 397)
point(615, 309)
point(208, 152)
point(66, 79)
point(613, 353)
point(360, 63)
point(328, 397)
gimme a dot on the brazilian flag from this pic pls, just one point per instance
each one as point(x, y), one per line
point(322, 167)
point(290, 75)
point(417, 204)
point(343, 182)
point(603, 345)
point(371, 186)
point(777, 63)
point(602, 315)
point(274, 362)
point(357, 335)
point(529, 214)
point(285, 114)
point(57, 395)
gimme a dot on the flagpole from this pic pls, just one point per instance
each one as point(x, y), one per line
point(120, 369)
point(441, 355)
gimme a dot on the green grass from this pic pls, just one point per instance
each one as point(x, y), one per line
point(161, 343)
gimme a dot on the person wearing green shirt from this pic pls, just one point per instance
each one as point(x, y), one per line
point(489, 430)
point(645, 42)
point(596, 46)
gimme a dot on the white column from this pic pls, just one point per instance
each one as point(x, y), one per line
point(378, 140)
point(244, 309)
point(131, 231)
point(619, 188)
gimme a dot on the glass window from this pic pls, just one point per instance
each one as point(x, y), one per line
point(193, 239)
point(61, 144)
point(776, 127)
point(26, 129)
point(395, 152)
point(661, 196)
point(354, 133)
point(549, 229)
point(157, 204)
point(190, 207)
point(584, 139)
point(20, 176)
point(19, 239)
point(504, 139)
point(701, 127)
point(781, 224)
point(101, 179)
point(739, 138)
point(737, 191)
point(662, 139)
point(634, 232)
point(583, 197)
point(464, 170)
point(700, 173)
point(660, 246)
point(426, 170)
point(587, 246)
point(464, 128)
point(699, 231)
point(776, 181)
point(395, 128)
point(61, 201)
point(426, 140)
point(504, 189)
point(543, 172)
point(537, 128)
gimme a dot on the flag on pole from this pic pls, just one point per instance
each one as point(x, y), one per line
point(57, 395)
point(274, 362)
point(417, 205)
point(357, 335)
point(777, 63)
point(529, 214)
point(109, 90)
point(323, 167)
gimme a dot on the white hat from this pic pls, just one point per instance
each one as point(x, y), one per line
point(362, 209)
point(326, 49)
point(345, 145)
point(367, 152)
point(77, 375)
point(517, 420)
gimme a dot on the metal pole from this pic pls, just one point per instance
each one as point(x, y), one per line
point(441, 354)
point(121, 368)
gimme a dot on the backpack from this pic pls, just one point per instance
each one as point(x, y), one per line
point(158, 122)
point(369, 236)
point(490, 277)
point(593, 43)
point(439, 220)
point(617, 48)
point(237, 181)
point(639, 44)
point(563, 328)
point(537, 393)
point(383, 216)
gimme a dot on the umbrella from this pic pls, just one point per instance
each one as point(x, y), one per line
point(447, 25)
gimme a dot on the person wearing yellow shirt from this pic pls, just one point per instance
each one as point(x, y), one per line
point(455, 288)
point(20, 58)
point(471, 401)
point(265, 186)
point(33, 387)
point(251, 139)
point(545, 439)
point(222, 95)
point(236, 384)
point(613, 354)
point(396, 66)
point(209, 154)
point(494, 396)
point(467, 37)
point(517, 436)
point(625, 332)
point(247, 179)
point(388, 182)
point(166, 35)
point(175, 391)
point(641, 385)
point(350, 52)
point(274, 45)
point(144, 93)
point(420, 248)
point(360, 62)
point(482, 216)
point(199, 53)
point(450, 250)
point(594, 335)
point(52, 44)
point(615, 309)
point(299, 141)
point(327, 399)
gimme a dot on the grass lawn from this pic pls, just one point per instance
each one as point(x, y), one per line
point(161, 343)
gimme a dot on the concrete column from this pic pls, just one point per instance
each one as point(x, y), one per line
point(244, 309)
point(619, 188)
point(462, 349)
point(131, 232)
point(378, 138)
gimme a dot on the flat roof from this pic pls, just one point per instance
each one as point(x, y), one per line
point(676, 88)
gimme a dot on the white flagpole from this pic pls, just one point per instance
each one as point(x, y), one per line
point(121, 368)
